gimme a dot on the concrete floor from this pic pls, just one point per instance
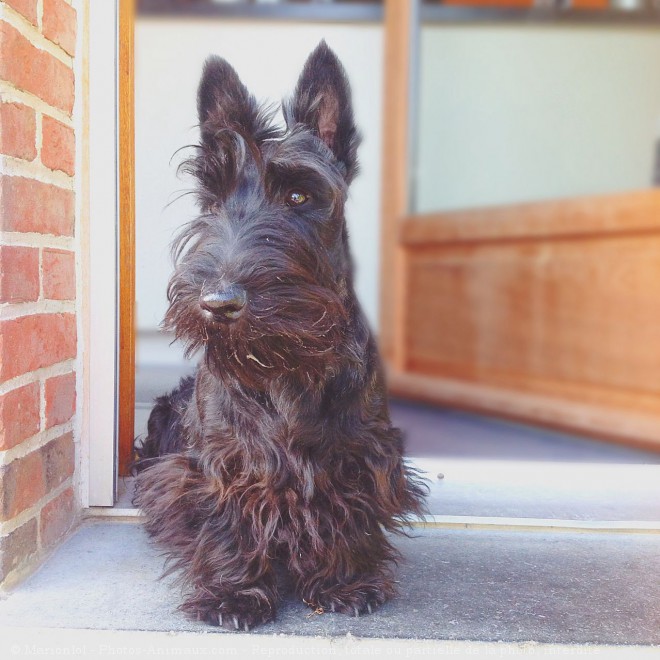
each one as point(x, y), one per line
point(454, 584)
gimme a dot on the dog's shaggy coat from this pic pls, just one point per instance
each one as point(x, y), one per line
point(280, 449)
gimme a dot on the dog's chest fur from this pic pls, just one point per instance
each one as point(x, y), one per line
point(281, 436)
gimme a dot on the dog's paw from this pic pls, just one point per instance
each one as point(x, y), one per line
point(354, 601)
point(236, 612)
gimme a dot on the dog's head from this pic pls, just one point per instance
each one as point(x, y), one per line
point(263, 275)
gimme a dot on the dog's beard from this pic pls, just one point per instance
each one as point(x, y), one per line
point(291, 331)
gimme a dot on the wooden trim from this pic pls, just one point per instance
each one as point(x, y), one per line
point(394, 196)
point(627, 213)
point(628, 427)
point(126, 271)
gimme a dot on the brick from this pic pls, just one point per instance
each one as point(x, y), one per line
point(60, 399)
point(59, 274)
point(27, 205)
point(19, 415)
point(22, 484)
point(27, 8)
point(58, 146)
point(17, 547)
point(32, 342)
point(57, 517)
point(59, 24)
point(18, 131)
point(58, 460)
point(34, 70)
point(19, 273)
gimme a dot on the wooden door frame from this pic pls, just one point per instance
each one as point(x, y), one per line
point(399, 231)
point(399, 30)
point(126, 270)
point(399, 22)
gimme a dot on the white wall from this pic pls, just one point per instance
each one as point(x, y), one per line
point(514, 113)
point(268, 56)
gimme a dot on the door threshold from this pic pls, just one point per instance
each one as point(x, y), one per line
point(492, 524)
point(464, 480)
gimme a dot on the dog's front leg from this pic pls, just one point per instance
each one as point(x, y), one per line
point(227, 574)
point(229, 593)
point(350, 575)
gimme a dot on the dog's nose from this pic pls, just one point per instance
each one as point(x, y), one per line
point(225, 305)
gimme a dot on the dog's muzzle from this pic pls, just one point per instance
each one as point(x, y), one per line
point(225, 305)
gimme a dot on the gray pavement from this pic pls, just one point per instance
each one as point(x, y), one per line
point(455, 585)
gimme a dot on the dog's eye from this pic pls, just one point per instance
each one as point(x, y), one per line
point(296, 198)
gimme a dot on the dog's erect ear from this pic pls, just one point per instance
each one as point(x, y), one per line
point(224, 102)
point(322, 101)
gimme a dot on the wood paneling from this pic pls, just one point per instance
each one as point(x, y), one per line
point(588, 216)
point(616, 424)
point(557, 301)
point(126, 412)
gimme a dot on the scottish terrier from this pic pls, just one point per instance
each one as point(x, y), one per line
point(280, 450)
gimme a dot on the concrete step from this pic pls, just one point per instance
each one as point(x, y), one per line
point(483, 586)
point(148, 643)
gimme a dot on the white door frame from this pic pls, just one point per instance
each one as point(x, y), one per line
point(99, 434)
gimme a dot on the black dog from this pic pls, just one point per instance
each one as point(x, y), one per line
point(280, 449)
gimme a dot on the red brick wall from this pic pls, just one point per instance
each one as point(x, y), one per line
point(38, 252)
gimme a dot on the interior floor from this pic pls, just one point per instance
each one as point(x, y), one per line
point(439, 432)
point(434, 432)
